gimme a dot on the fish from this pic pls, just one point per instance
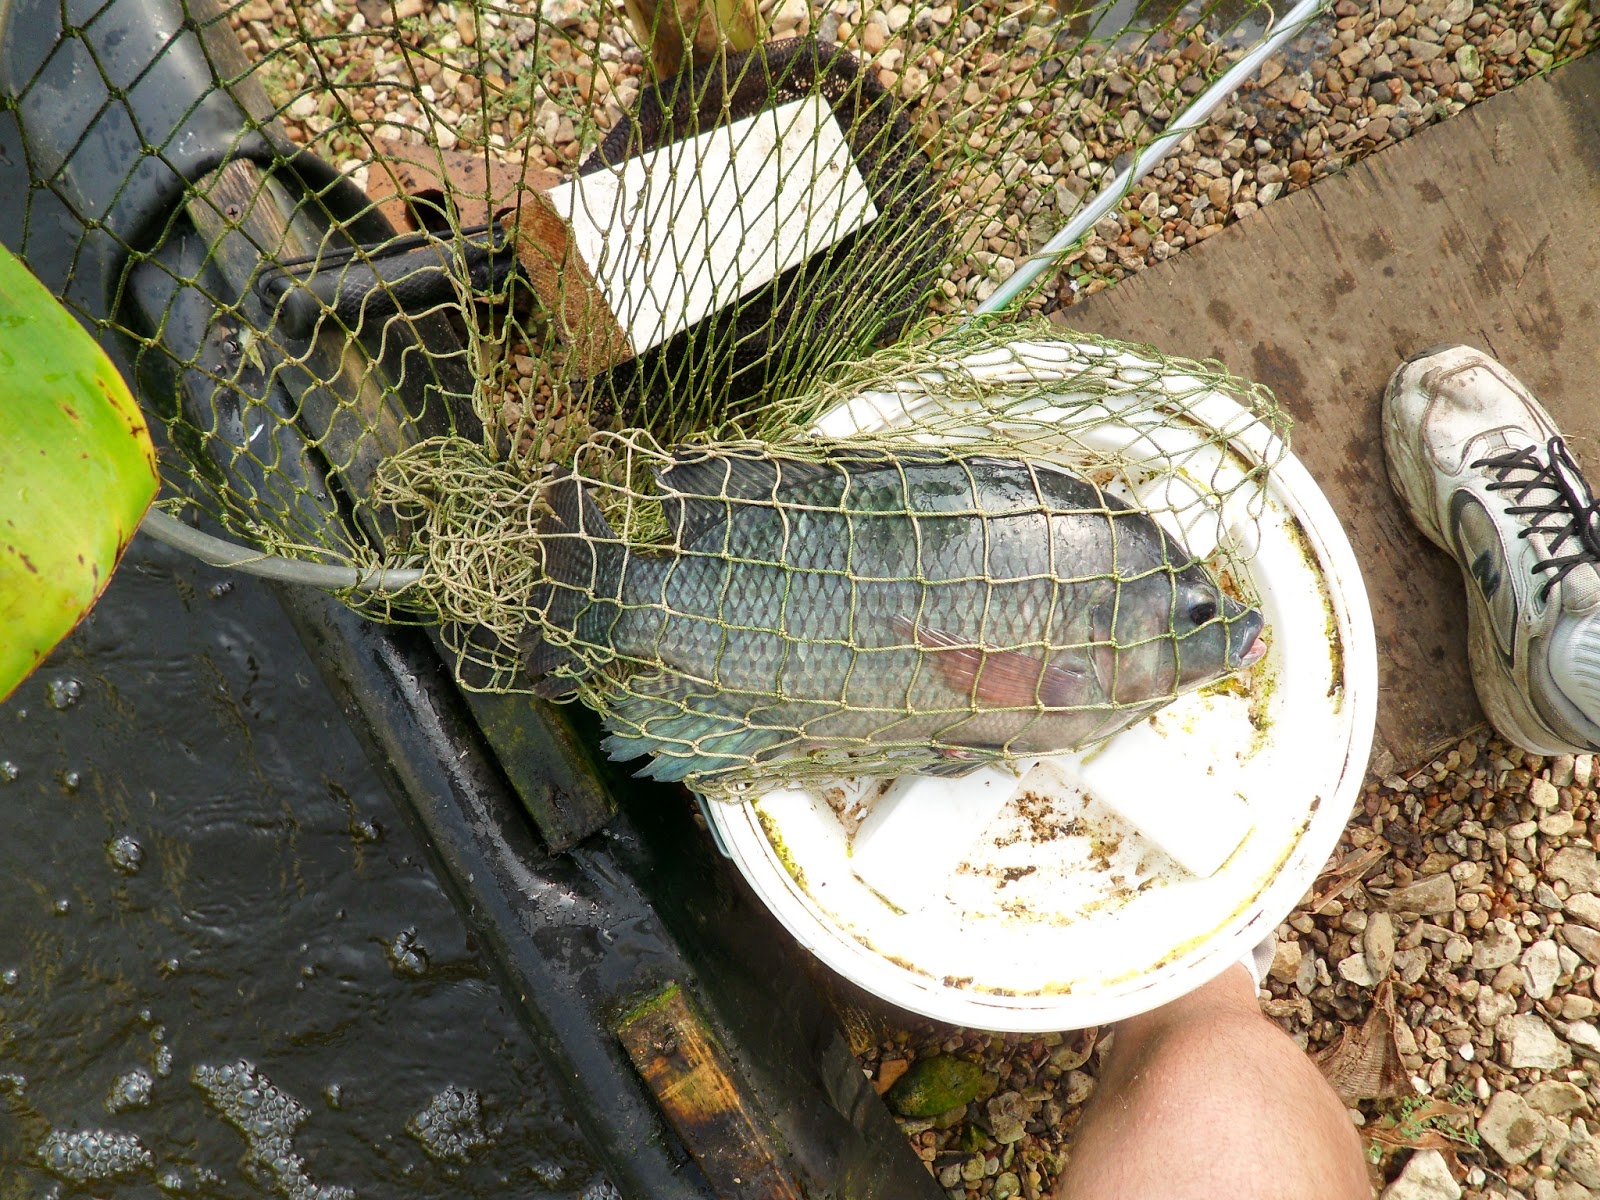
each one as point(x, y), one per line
point(901, 611)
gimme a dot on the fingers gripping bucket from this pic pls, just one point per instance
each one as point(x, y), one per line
point(1102, 884)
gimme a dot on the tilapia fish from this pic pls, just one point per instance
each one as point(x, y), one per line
point(921, 612)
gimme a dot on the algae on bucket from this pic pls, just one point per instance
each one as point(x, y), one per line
point(1096, 885)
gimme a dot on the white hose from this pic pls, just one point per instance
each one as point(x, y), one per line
point(220, 553)
point(1035, 265)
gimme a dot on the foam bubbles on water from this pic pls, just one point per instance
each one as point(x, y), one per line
point(267, 1116)
point(9, 771)
point(550, 1174)
point(93, 1155)
point(451, 1127)
point(126, 855)
point(130, 1091)
point(64, 693)
point(407, 955)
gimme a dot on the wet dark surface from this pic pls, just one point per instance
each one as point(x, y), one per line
point(226, 968)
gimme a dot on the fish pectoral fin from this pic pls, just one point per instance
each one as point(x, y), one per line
point(1102, 652)
point(1000, 678)
point(955, 764)
point(690, 729)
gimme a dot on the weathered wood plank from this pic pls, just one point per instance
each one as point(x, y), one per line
point(694, 1082)
point(1479, 230)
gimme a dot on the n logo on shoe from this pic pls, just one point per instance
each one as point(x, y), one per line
point(1487, 573)
point(1483, 554)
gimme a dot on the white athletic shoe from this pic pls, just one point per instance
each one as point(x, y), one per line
point(1485, 474)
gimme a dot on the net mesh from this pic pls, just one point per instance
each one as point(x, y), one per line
point(385, 273)
point(1006, 543)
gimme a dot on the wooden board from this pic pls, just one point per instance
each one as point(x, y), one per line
point(695, 1085)
point(1480, 230)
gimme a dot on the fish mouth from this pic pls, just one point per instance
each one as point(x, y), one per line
point(1246, 636)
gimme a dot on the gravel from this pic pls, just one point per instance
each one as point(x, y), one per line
point(1026, 121)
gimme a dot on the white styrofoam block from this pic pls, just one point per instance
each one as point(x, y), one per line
point(672, 235)
point(1157, 785)
point(920, 831)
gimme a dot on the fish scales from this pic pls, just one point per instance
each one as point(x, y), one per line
point(963, 606)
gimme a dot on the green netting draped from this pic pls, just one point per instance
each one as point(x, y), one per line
point(422, 284)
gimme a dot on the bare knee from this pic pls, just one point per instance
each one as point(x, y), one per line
point(1213, 1100)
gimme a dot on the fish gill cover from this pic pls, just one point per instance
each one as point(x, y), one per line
point(554, 299)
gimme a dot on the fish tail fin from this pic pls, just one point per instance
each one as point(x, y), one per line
point(579, 599)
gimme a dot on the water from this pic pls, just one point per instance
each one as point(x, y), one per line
point(226, 970)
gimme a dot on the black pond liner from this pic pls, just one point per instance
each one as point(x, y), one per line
point(109, 115)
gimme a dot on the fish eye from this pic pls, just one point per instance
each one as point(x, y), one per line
point(1202, 611)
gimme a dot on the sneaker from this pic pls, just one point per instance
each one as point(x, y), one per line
point(1484, 472)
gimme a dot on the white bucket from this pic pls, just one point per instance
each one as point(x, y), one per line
point(1103, 884)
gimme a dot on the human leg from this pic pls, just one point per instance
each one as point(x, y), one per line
point(1205, 1097)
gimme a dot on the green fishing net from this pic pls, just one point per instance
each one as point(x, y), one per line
point(1008, 542)
point(397, 280)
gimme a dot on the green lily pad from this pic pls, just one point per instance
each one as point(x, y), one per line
point(77, 471)
point(935, 1085)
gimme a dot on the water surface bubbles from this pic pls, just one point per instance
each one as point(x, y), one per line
point(93, 1155)
point(267, 1116)
point(451, 1126)
point(407, 955)
point(126, 855)
point(548, 1173)
point(64, 693)
point(8, 770)
point(130, 1091)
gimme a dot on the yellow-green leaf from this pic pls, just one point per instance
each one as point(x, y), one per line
point(77, 471)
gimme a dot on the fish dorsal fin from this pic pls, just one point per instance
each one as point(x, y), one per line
point(752, 470)
point(721, 472)
point(1000, 678)
point(697, 486)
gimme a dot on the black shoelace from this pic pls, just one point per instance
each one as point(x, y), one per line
point(1572, 514)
